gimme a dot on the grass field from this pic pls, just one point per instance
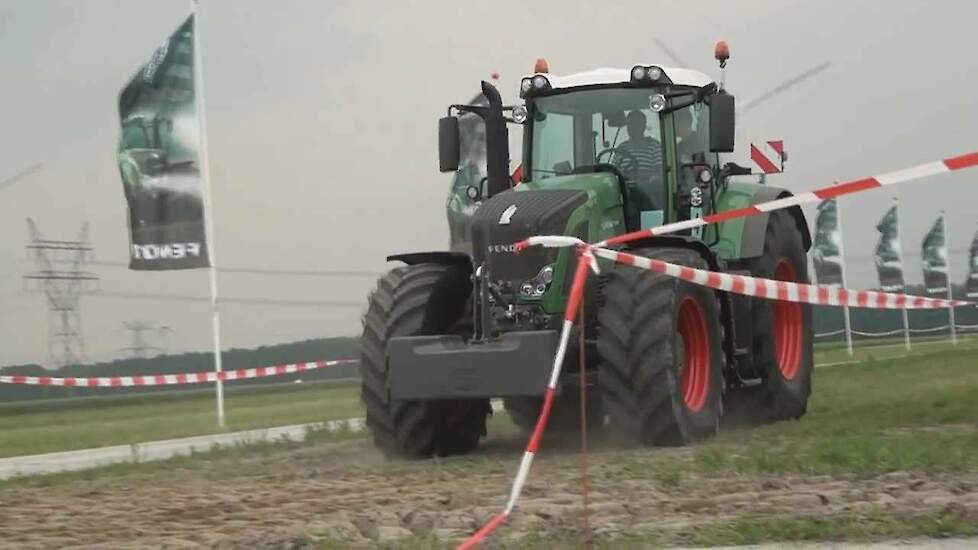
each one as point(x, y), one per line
point(66, 424)
point(888, 449)
point(890, 347)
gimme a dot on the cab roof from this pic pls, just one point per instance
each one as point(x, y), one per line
point(607, 75)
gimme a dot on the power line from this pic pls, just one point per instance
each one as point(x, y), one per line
point(264, 271)
point(243, 301)
point(785, 85)
point(139, 348)
point(669, 53)
point(23, 173)
point(63, 288)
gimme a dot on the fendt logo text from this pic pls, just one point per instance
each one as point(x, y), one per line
point(170, 251)
point(500, 248)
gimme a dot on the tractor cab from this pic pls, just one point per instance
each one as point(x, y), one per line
point(605, 152)
point(648, 127)
point(652, 133)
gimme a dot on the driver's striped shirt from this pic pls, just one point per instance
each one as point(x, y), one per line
point(646, 152)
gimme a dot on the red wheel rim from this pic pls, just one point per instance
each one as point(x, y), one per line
point(788, 325)
point(695, 376)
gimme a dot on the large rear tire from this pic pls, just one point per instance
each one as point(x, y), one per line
point(416, 300)
point(661, 358)
point(783, 331)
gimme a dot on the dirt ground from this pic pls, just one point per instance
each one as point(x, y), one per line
point(346, 495)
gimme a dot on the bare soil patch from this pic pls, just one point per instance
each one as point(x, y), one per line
point(347, 495)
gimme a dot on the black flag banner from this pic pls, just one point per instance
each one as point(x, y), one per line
point(972, 283)
point(888, 256)
point(826, 248)
point(934, 255)
point(159, 159)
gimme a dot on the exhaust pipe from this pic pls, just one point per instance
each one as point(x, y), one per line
point(497, 142)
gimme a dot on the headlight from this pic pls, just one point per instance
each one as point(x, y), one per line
point(538, 285)
point(705, 175)
point(657, 102)
point(646, 73)
point(519, 114)
point(534, 84)
point(546, 274)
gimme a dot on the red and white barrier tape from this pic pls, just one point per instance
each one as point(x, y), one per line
point(780, 290)
point(766, 288)
point(573, 303)
point(739, 284)
point(900, 176)
point(172, 379)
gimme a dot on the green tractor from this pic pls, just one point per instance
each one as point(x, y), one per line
point(605, 152)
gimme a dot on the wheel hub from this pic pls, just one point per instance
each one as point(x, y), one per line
point(694, 354)
point(788, 325)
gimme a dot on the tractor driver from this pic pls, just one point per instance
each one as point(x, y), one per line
point(640, 160)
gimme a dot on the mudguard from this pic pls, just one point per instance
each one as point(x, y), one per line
point(679, 241)
point(441, 257)
point(744, 238)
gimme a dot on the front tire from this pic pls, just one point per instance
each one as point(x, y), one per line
point(660, 345)
point(416, 300)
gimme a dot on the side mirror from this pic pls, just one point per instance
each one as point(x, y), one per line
point(448, 144)
point(722, 123)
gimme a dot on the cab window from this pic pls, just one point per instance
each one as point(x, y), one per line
point(692, 133)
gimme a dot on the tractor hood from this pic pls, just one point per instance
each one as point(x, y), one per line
point(582, 205)
point(513, 216)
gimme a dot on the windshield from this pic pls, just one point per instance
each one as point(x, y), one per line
point(576, 131)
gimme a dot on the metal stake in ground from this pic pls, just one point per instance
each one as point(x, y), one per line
point(205, 177)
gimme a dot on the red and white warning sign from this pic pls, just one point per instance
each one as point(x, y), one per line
point(768, 156)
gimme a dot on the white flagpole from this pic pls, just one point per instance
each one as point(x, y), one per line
point(947, 250)
point(906, 315)
point(205, 177)
point(842, 262)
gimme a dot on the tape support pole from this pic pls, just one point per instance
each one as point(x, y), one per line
point(573, 304)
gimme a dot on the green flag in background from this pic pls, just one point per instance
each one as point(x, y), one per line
point(158, 158)
point(826, 248)
point(889, 258)
point(972, 283)
point(934, 255)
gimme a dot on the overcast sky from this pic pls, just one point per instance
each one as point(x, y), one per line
point(322, 129)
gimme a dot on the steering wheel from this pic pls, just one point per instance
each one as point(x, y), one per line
point(630, 161)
